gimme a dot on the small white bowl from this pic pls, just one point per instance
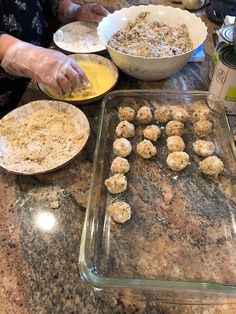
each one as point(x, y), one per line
point(151, 69)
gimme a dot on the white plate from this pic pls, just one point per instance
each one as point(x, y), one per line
point(78, 37)
point(30, 145)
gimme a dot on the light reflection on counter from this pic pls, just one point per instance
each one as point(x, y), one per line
point(233, 223)
point(46, 221)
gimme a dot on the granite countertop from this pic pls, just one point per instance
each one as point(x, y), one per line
point(38, 266)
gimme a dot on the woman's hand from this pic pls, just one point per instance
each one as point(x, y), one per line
point(68, 11)
point(90, 13)
point(50, 67)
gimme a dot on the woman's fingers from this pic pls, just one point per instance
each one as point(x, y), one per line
point(99, 10)
point(64, 83)
point(95, 18)
point(62, 74)
point(91, 13)
point(82, 76)
point(52, 83)
point(72, 79)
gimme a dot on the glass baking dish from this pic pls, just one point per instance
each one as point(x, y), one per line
point(180, 243)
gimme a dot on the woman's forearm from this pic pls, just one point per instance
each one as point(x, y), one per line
point(6, 41)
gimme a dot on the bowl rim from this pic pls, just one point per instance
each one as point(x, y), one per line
point(148, 6)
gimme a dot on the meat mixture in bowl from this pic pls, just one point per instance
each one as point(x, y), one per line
point(151, 39)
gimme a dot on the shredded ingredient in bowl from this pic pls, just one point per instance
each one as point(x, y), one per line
point(154, 39)
point(41, 141)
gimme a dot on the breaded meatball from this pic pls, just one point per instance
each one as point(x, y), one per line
point(116, 184)
point(202, 113)
point(174, 128)
point(122, 147)
point(146, 149)
point(144, 114)
point(162, 114)
point(202, 128)
point(125, 129)
point(179, 114)
point(119, 211)
point(177, 161)
point(175, 143)
point(203, 148)
point(152, 132)
point(198, 104)
point(211, 166)
point(120, 165)
point(126, 113)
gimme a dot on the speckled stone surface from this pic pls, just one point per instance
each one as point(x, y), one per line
point(38, 267)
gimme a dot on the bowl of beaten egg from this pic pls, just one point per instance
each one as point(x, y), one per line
point(151, 42)
point(102, 74)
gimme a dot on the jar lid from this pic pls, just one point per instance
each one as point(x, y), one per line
point(226, 32)
point(228, 56)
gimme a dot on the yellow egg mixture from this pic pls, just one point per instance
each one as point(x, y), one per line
point(100, 76)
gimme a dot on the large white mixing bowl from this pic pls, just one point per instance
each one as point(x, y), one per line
point(151, 69)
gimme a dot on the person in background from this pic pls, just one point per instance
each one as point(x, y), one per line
point(24, 37)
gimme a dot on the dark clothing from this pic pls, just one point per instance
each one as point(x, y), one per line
point(25, 20)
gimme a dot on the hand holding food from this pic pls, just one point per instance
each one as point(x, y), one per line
point(91, 13)
point(50, 67)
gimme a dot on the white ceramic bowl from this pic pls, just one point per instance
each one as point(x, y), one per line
point(151, 69)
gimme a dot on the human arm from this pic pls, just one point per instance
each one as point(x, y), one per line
point(47, 66)
point(68, 11)
point(6, 41)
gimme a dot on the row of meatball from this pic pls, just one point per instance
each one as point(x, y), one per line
point(163, 114)
point(120, 211)
point(177, 160)
point(175, 119)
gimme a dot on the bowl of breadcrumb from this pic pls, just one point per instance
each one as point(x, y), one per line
point(151, 42)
